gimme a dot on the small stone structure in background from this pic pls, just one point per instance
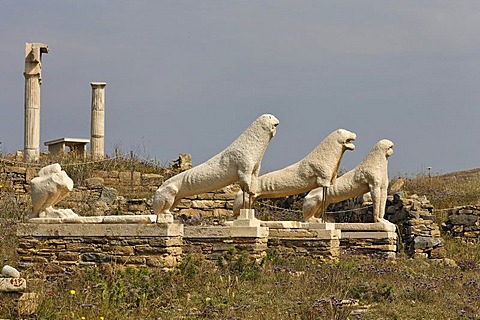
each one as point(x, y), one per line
point(464, 222)
point(184, 162)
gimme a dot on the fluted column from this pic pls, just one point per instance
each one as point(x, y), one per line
point(33, 80)
point(98, 120)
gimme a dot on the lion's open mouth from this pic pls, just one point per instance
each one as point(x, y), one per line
point(349, 145)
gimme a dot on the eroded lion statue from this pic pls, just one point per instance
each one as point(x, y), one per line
point(50, 187)
point(319, 168)
point(371, 175)
point(239, 162)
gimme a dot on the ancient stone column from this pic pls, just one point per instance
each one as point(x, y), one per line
point(98, 120)
point(33, 80)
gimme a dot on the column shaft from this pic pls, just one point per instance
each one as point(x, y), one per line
point(98, 120)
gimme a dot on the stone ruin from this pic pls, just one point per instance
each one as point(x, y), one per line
point(54, 241)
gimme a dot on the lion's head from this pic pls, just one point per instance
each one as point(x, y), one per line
point(345, 138)
point(386, 146)
point(269, 122)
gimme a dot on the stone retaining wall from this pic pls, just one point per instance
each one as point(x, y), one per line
point(464, 222)
point(413, 215)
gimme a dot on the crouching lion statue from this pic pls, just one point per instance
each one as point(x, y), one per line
point(317, 169)
point(371, 175)
point(239, 162)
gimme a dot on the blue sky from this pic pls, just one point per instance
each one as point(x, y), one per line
point(190, 76)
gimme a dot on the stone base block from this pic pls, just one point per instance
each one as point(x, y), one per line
point(52, 248)
point(141, 219)
point(213, 243)
point(13, 284)
point(367, 238)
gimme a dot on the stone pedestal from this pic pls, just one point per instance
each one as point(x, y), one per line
point(320, 240)
point(33, 80)
point(98, 120)
point(368, 238)
point(52, 248)
point(213, 243)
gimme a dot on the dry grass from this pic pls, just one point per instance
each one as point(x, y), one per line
point(450, 190)
point(293, 288)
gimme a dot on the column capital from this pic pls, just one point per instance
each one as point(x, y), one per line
point(100, 85)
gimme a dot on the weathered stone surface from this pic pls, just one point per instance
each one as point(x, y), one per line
point(142, 219)
point(379, 226)
point(421, 242)
point(13, 284)
point(10, 272)
point(28, 303)
point(94, 183)
point(51, 186)
point(463, 219)
point(96, 230)
point(109, 195)
point(281, 224)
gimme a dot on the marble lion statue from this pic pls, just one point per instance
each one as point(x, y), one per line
point(318, 168)
point(371, 175)
point(239, 162)
point(50, 187)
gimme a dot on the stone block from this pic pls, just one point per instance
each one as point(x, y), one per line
point(281, 224)
point(13, 284)
point(222, 212)
point(28, 303)
point(99, 230)
point(10, 272)
point(377, 226)
point(206, 196)
point(203, 204)
point(207, 232)
point(155, 261)
point(68, 256)
point(249, 232)
point(141, 219)
point(94, 183)
point(463, 219)
point(130, 260)
point(368, 235)
point(421, 242)
point(148, 250)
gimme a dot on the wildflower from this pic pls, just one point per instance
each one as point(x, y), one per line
point(83, 318)
point(73, 292)
point(102, 318)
